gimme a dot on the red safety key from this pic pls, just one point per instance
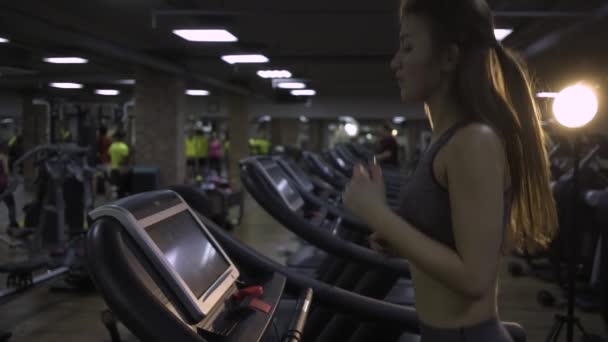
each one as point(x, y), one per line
point(259, 305)
point(252, 291)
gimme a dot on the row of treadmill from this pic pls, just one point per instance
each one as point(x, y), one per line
point(167, 272)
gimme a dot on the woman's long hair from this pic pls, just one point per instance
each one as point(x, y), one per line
point(493, 86)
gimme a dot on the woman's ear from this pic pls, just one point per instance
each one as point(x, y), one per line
point(450, 58)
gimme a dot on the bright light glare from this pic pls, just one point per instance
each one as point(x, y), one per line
point(4, 40)
point(235, 59)
point(351, 129)
point(197, 92)
point(274, 74)
point(303, 92)
point(546, 95)
point(292, 85)
point(107, 92)
point(127, 82)
point(215, 36)
point(303, 119)
point(66, 85)
point(575, 106)
point(66, 60)
point(395, 132)
point(398, 120)
point(501, 34)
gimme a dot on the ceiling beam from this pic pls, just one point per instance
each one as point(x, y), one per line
point(156, 14)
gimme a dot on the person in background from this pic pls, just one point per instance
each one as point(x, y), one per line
point(215, 154)
point(387, 152)
point(15, 151)
point(103, 146)
point(103, 156)
point(190, 154)
point(119, 157)
point(201, 149)
point(9, 199)
point(227, 153)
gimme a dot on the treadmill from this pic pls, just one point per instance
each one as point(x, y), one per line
point(338, 255)
point(166, 277)
point(338, 180)
point(138, 282)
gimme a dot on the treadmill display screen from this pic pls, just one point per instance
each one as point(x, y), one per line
point(301, 176)
point(196, 259)
point(280, 181)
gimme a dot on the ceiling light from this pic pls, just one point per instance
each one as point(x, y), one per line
point(398, 120)
point(127, 82)
point(395, 133)
point(501, 34)
point(216, 36)
point(107, 92)
point(197, 92)
point(274, 74)
point(546, 95)
point(4, 40)
point(292, 85)
point(66, 60)
point(66, 85)
point(234, 59)
point(351, 129)
point(303, 92)
point(303, 119)
point(265, 118)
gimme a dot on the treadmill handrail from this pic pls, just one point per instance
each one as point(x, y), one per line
point(321, 237)
point(583, 163)
point(349, 219)
point(325, 171)
point(328, 295)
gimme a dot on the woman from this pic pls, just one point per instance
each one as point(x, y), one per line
point(480, 188)
point(215, 154)
point(387, 148)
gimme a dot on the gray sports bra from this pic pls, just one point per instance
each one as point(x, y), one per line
point(425, 203)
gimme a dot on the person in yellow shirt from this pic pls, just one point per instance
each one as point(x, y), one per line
point(119, 160)
point(190, 154)
point(201, 150)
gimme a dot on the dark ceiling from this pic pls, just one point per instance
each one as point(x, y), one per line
point(341, 47)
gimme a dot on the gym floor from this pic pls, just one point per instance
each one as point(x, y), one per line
point(42, 315)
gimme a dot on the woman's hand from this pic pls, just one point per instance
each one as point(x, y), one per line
point(380, 245)
point(365, 194)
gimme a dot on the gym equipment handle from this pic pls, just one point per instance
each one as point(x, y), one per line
point(296, 328)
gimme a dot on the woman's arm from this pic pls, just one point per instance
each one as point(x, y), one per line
point(475, 171)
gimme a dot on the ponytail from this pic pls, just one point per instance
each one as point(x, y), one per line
point(534, 216)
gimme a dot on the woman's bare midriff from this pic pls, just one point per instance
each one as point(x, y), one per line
point(440, 307)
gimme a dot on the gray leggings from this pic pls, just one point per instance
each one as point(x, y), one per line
point(489, 331)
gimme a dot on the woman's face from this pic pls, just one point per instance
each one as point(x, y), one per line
point(415, 65)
